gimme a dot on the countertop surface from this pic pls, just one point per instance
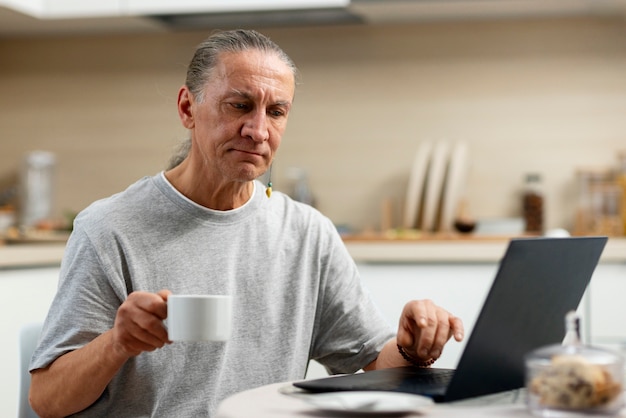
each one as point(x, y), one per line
point(31, 255)
point(363, 250)
point(452, 249)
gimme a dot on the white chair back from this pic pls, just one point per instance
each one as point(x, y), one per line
point(29, 336)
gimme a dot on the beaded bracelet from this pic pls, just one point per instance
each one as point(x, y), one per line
point(420, 364)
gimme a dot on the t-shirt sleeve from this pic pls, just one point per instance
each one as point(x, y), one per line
point(84, 306)
point(350, 330)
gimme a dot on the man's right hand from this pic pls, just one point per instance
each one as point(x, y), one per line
point(139, 323)
point(77, 379)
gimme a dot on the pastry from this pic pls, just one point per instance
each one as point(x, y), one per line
point(572, 382)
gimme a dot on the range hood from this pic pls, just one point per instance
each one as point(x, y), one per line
point(395, 11)
point(399, 11)
point(81, 17)
point(259, 19)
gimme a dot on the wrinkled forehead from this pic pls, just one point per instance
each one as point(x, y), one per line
point(254, 66)
point(229, 61)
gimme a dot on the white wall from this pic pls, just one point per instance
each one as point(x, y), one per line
point(546, 95)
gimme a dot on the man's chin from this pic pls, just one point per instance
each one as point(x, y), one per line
point(246, 176)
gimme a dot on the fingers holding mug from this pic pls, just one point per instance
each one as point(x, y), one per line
point(138, 323)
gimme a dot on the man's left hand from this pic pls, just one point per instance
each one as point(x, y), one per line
point(425, 328)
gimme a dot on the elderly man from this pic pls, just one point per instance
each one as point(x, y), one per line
point(207, 226)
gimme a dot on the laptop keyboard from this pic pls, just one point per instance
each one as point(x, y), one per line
point(438, 377)
point(426, 382)
point(434, 383)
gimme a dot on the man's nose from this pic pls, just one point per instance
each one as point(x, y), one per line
point(256, 127)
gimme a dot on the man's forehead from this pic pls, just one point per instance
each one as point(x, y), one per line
point(254, 61)
point(243, 77)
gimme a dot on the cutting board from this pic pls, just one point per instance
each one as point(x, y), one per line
point(415, 189)
point(454, 186)
point(435, 182)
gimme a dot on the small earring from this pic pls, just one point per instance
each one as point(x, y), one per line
point(268, 191)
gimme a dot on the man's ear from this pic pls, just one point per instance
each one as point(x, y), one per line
point(185, 112)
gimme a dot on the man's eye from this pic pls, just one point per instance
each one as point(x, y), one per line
point(241, 106)
point(279, 110)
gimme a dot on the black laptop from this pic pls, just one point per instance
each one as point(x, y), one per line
point(538, 281)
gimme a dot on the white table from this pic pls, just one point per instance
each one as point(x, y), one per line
point(271, 402)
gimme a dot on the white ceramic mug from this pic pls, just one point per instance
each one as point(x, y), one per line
point(198, 317)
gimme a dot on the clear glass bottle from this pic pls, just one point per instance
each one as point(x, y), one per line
point(533, 203)
point(37, 188)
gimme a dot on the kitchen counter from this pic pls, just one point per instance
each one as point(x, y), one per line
point(31, 255)
point(449, 250)
point(362, 249)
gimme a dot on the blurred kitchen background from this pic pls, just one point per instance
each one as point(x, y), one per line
point(529, 87)
point(495, 116)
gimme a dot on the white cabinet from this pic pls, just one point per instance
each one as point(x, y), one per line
point(608, 311)
point(27, 294)
point(459, 288)
point(462, 288)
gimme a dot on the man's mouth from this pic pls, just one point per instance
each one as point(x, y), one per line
point(254, 154)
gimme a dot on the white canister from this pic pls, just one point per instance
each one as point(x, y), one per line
point(37, 187)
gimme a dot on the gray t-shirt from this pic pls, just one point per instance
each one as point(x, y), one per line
point(297, 296)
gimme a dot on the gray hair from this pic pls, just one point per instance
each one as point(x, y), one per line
point(207, 55)
point(206, 58)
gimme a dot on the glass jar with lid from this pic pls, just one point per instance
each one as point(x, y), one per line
point(533, 203)
point(37, 187)
point(598, 203)
point(572, 379)
point(606, 209)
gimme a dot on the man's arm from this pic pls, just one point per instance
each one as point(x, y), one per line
point(423, 330)
point(77, 379)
